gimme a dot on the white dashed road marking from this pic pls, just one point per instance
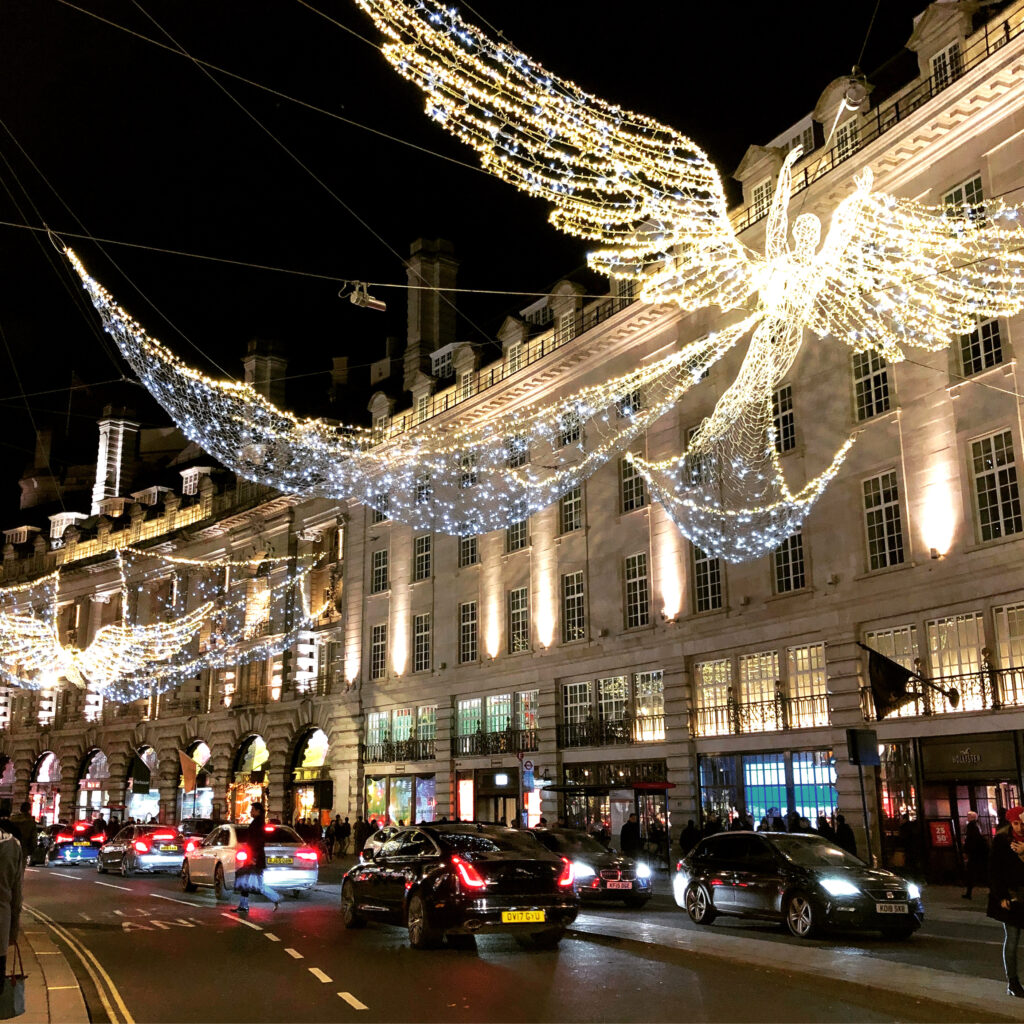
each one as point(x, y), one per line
point(352, 1001)
point(317, 973)
point(272, 937)
point(158, 896)
point(242, 920)
point(294, 953)
point(109, 885)
point(64, 874)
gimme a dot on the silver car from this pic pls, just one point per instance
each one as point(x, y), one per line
point(141, 848)
point(292, 864)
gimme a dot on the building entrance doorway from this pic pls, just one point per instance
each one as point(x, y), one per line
point(497, 808)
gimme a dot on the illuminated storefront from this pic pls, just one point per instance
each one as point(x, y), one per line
point(142, 797)
point(312, 789)
point(488, 795)
point(401, 798)
point(197, 802)
point(248, 785)
point(93, 786)
point(44, 789)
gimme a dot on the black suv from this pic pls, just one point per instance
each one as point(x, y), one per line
point(804, 880)
point(461, 879)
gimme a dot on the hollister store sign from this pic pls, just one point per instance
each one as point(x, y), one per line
point(969, 757)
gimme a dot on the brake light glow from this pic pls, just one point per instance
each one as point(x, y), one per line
point(80, 827)
point(190, 846)
point(164, 836)
point(62, 837)
point(241, 855)
point(141, 846)
point(306, 853)
point(467, 874)
point(565, 879)
point(268, 828)
point(100, 837)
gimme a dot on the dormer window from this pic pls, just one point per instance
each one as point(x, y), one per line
point(847, 139)
point(150, 496)
point(442, 365)
point(761, 198)
point(190, 479)
point(60, 522)
point(20, 534)
point(112, 507)
point(947, 66)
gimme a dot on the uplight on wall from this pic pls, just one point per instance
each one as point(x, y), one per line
point(669, 574)
point(492, 634)
point(938, 515)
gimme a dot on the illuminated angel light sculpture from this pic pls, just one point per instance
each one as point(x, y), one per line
point(890, 272)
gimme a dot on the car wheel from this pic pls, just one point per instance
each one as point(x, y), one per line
point(422, 935)
point(636, 902)
point(897, 934)
point(350, 917)
point(126, 866)
point(801, 916)
point(100, 869)
point(187, 885)
point(699, 905)
point(220, 887)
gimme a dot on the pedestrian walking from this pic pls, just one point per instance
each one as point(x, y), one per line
point(975, 855)
point(689, 837)
point(28, 830)
point(629, 837)
point(249, 876)
point(360, 833)
point(344, 832)
point(1006, 893)
point(844, 835)
point(12, 868)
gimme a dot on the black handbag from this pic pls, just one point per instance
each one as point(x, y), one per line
point(12, 996)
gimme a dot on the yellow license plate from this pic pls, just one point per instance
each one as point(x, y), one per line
point(522, 916)
point(279, 860)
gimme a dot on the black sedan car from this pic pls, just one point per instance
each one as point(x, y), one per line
point(457, 880)
point(601, 874)
point(804, 880)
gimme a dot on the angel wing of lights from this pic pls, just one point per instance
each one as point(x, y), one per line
point(891, 273)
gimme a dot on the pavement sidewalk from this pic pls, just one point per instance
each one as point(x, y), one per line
point(52, 992)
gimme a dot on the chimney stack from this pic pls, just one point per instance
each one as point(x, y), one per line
point(265, 368)
point(431, 271)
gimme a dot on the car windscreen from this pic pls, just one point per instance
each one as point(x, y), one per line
point(571, 843)
point(814, 853)
point(492, 841)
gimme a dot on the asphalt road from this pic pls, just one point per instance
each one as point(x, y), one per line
point(147, 952)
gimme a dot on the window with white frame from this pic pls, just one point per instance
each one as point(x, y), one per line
point(707, 580)
point(499, 712)
point(789, 565)
point(469, 553)
point(783, 419)
point(381, 509)
point(649, 705)
point(380, 428)
point(634, 494)
point(422, 549)
point(422, 408)
point(982, 348)
point(423, 489)
point(629, 403)
point(573, 613)
point(401, 724)
point(378, 726)
point(947, 66)
point(577, 702)
point(758, 676)
point(466, 385)
point(569, 428)
point(378, 650)
point(527, 709)
point(1010, 635)
point(883, 521)
point(966, 200)
point(995, 486)
point(421, 642)
point(870, 384)
point(514, 357)
point(954, 649)
point(518, 620)
point(761, 198)
point(516, 451)
point(808, 683)
point(515, 536)
point(379, 571)
point(442, 364)
point(469, 716)
point(570, 511)
point(468, 464)
point(612, 698)
point(697, 469)
point(190, 479)
point(638, 598)
point(467, 632)
point(426, 722)
point(847, 139)
point(712, 691)
point(898, 644)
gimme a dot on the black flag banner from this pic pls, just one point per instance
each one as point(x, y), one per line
point(889, 681)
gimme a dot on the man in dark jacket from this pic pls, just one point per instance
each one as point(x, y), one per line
point(249, 876)
point(629, 838)
point(1006, 893)
point(689, 837)
point(844, 835)
point(975, 855)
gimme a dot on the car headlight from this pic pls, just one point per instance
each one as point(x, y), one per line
point(839, 887)
point(643, 871)
point(582, 870)
point(913, 890)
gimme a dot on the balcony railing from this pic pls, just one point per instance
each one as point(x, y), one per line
point(507, 741)
point(398, 750)
point(737, 716)
point(610, 733)
point(987, 690)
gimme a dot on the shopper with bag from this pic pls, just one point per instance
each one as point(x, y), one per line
point(12, 867)
point(249, 876)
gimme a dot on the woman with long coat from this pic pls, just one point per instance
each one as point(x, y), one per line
point(1006, 893)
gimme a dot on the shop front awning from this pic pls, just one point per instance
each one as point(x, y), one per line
point(603, 790)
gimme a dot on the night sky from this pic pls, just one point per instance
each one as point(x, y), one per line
point(134, 144)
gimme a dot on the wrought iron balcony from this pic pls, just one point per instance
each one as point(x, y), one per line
point(738, 716)
point(507, 741)
point(987, 690)
point(612, 732)
point(398, 750)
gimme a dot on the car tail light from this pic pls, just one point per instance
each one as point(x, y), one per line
point(679, 865)
point(269, 828)
point(191, 846)
point(141, 846)
point(165, 836)
point(307, 853)
point(242, 855)
point(80, 827)
point(62, 837)
point(565, 879)
point(467, 874)
point(100, 837)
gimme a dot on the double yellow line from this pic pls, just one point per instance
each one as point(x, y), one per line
point(105, 986)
